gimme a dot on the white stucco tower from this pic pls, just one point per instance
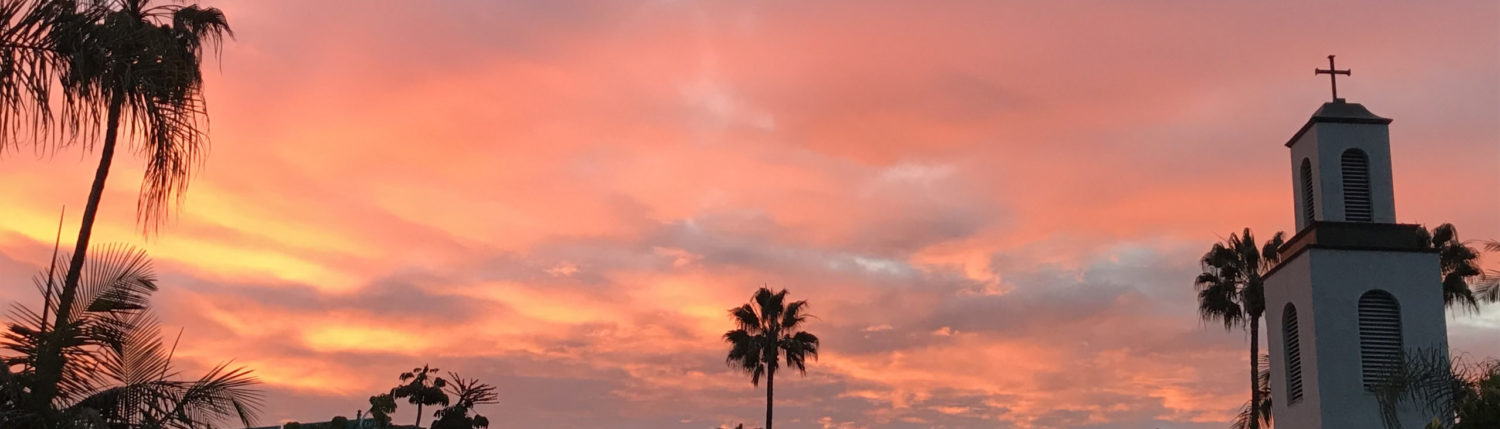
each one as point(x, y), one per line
point(1354, 288)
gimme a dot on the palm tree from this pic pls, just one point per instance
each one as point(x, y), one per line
point(138, 64)
point(1231, 290)
point(768, 331)
point(1460, 394)
point(423, 387)
point(30, 63)
point(1478, 403)
point(117, 372)
point(1460, 264)
point(469, 393)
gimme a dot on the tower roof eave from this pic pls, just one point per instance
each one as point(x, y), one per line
point(1339, 111)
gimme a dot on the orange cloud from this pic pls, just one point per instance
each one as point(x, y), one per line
point(994, 209)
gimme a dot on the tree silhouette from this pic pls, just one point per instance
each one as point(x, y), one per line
point(1478, 406)
point(422, 387)
point(468, 393)
point(1488, 288)
point(137, 64)
point(1459, 394)
point(117, 371)
point(1262, 411)
point(768, 331)
point(31, 62)
point(381, 407)
point(1231, 290)
point(1460, 265)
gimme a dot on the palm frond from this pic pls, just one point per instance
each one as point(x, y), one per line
point(1272, 251)
point(1425, 378)
point(1460, 267)
point(115, 278)
point(794, 315)
point(1262, 411)
point(113, 288)
point(471, 392)
point(1219, 301)
point(797, 348)
point(222, 393)
point(1488, 288)
point(30, 62)
point(746, 318)
point(116, 370)
point(768, 305)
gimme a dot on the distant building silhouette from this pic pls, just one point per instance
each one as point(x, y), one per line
point(352, 424)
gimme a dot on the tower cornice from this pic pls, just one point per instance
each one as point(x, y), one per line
point(1388, 237)
point(1339, 111)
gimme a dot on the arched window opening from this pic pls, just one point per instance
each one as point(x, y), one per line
point(1379, 336)
point(1356, 168)
point(1292, 344)
point(1308, 201)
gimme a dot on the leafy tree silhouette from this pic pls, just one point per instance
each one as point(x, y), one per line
point(381, 407)
point(768, 331)
point(422, 387)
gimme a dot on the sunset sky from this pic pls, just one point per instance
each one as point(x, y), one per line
point(994, 208)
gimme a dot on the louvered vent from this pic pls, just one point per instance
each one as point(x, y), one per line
point(1379, 336)
point(1356, 168)
point(1308, 201)
point(1293, 355)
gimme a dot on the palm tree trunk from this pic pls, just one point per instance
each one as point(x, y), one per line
point(770, 390)
point(419, 416)
point(1255, 372)
point(50, 361)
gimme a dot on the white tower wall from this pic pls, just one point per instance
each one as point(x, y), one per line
point(1335, 128)
point(1335, 259)
point(1325, 285)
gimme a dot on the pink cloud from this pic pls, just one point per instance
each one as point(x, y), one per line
point(995, 209)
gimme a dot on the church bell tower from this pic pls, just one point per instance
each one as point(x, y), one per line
point(1354, 289)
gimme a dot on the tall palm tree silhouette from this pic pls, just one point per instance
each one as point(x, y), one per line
point(1231, 290)
point(139, 64)
point(768, 331)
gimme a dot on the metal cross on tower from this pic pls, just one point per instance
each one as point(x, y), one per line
point(1332, 73)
